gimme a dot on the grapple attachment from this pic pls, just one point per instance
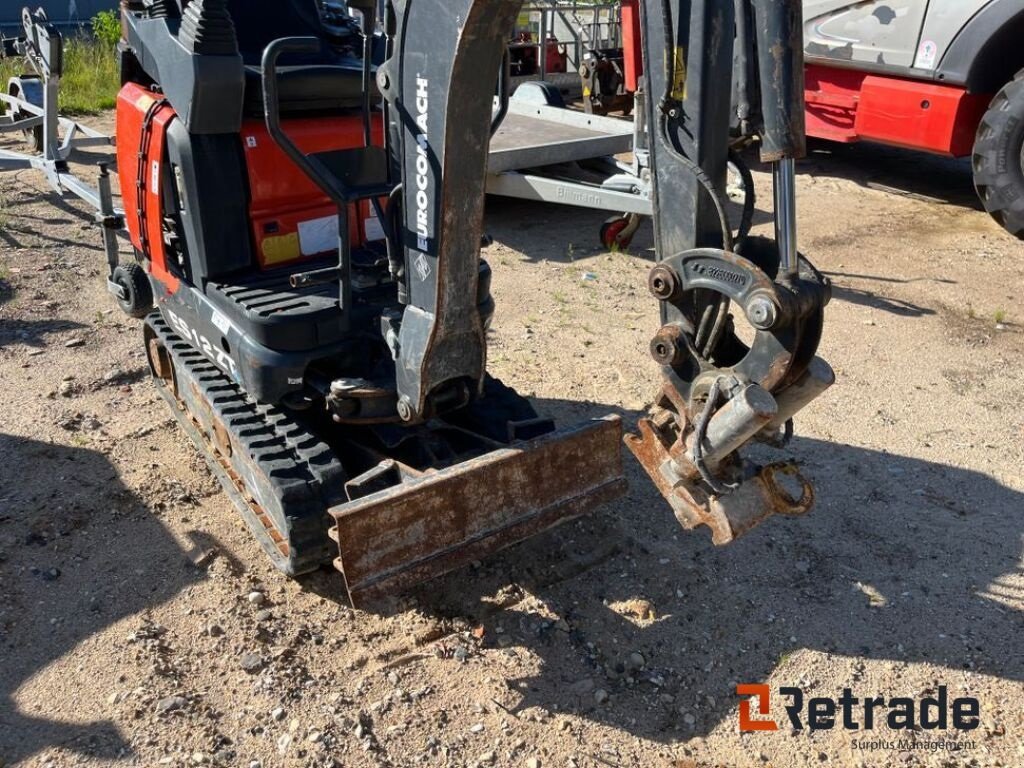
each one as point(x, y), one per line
point(433, 522)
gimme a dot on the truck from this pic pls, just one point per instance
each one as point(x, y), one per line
point(941, 76)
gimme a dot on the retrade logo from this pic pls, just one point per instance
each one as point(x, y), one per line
point(852, 713)
point(763, 695)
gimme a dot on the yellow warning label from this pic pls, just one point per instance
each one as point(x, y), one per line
point(679, 81)
point(281, 248)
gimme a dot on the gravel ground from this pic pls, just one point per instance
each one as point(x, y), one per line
point(141, 625)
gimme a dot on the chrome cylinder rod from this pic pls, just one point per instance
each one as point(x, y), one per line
point(785, 215)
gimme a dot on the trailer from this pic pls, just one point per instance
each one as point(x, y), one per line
point(30, 106)
point(544, 152)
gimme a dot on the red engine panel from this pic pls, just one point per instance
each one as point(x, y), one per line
point(142, 119)
point(847, 106)
point(291, 218)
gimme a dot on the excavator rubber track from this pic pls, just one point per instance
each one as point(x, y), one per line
point(278, 473)
point(392, 525)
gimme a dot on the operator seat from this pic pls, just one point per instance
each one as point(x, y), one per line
point(327, 81)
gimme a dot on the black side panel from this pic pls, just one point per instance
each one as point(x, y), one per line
point(985, 55)
point(211, 175)
point(205, 89)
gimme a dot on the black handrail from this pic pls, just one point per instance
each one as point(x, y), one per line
point(272, 113)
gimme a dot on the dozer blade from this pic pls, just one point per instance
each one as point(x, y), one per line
point(426, 526)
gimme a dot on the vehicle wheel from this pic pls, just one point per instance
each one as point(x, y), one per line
point(138, 294)
point(34, 136)
point(998, 159)
point(617, 232)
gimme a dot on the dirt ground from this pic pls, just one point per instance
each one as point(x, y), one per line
point(128, 581)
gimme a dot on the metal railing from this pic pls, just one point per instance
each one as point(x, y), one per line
point(577, 27)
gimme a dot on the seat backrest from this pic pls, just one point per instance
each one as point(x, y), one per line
point(259, 22)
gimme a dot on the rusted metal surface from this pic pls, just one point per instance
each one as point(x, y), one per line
point(756, 494)
point(418, 530)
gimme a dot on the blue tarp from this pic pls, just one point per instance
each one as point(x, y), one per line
point(61, 12)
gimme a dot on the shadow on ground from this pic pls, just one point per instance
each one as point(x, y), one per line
point(51, 497)
point(902, 561)
point(898, 171)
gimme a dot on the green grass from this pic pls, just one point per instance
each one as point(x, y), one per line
point(1000, 316)
point(91, 75)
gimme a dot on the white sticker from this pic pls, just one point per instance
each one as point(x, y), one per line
point(422, 267)
point(154, 178)
point(926, 55)
point(373, 229)
point(318, 235)
point(221, 322)
point(250, 141)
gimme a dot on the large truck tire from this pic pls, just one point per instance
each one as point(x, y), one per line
point(998, 158)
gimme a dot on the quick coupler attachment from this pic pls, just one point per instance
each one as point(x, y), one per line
point(696, 464)
point(723, 389)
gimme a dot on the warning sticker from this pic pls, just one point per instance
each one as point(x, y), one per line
point(926, 55)
point(422, 267)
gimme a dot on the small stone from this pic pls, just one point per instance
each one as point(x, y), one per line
point(283, 743)
point(277, 714)
point(171, 704)
point(689, 718)
point(486, 758)
point(198, 758)
point(114, 698)
point(461, 654)
point(476, 728)
point(533, 762)
point(252, 662)
point(600, 695)
point(68, 389)
point(636, 662)
point(314, 736)
point(256, 598)
point(72, 343)
point(562, 626)
point(214, 629)
point(265, 615)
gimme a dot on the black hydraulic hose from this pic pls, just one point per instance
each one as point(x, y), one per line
point(699, 434)
point(705, 181)
point(670, 53)
point(378, 210)
point(749, 196)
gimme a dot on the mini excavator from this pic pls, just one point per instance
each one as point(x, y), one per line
point(306, 203)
